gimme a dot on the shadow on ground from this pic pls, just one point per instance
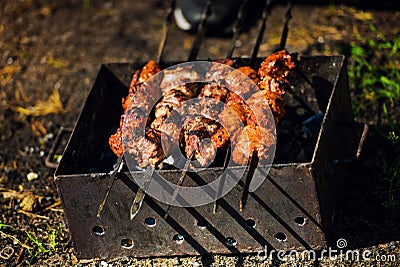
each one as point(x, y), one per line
point(367, 217)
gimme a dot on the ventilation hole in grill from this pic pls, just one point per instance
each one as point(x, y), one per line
point(230, 241)
point(178, 238)
point(150, 221)
point(251, 223)
point(202, 224)
point(300, 220)
point(98, 230)
point(127, 243)
point(281, 237)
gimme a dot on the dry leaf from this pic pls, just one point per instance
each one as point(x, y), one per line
point(52, 105)
point(7, 73)
point(9, 70)
point(28, 203)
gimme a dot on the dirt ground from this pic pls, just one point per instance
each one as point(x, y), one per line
point(50, 54)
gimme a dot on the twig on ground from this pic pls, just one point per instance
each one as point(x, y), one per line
point(21, 251)
point(32, 215)
point(52, 206)
point(13, 238)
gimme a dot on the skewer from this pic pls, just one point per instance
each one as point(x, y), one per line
point(148, 175)
point(236, 29)
point(222, 181)
point(141, 193)
point(254, 158)
point(200, 32)
point(251, 168)
point(192, 56)
point(229, 54)
point(113, 175)
point(285, 31)
point(166, 27)
point(118, 166)
point(261, 32)
point(180, 182)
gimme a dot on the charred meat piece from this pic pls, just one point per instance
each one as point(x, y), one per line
point(214, 90)
point(221, 138)
point(147, 149)
point(276, 66)
point(276, 102)
point(149, 70)
point(218, 72)
point(115, 142)
point(249, 139)
point(230, 120)
point(176, 89)
point(237, 104)
point(140, 76)
point(250, 72)
point(134, 120)
point(203, 151)
point(273, 74)
point(137, 100)
point(200, 126)
point(196, 129)
point(237, 80)
point(178, 79)
point(259, 114)
point(170, 100)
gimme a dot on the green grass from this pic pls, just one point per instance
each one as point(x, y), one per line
point(3, 225)
point(38, 244)
point(374, 72)
point(46, 244)
point(374, 76)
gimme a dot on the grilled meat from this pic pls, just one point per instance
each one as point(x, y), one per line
point(251, 138)
point(247, 122)
point(171, 100)
point(250, 72)
point(196, 129)
point(178, 79)
point(236, 79)
point(218, 72)
point(214, 90)
point(273, 73)
point(276, 66)
point(115, 142)
point(140, 76)
point(145, 149)
point(237, 104)
point(220, 138)
point(135, 118)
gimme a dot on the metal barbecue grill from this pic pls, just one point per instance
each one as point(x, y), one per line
point(293, 209)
